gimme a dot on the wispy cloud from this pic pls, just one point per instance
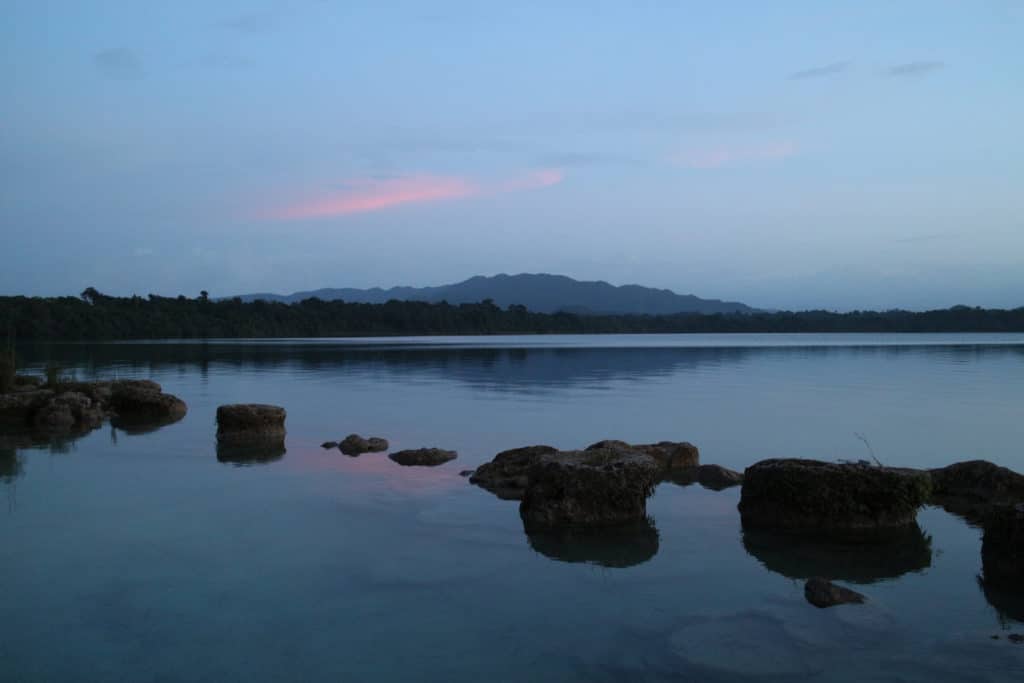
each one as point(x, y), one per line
point(120, 63)
point(363, 195)
point(731, 155)
point(914, 68)
point(832, 69)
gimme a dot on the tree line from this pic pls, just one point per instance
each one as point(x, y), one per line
point(96, 316)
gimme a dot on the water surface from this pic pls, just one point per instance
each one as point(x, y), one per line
point(140, 556)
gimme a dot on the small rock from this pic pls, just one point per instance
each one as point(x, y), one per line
point(670, 455)
point(1015, 638)
point(250, 419)
point(426, 457)
point(716, 477)
point(823, 593)
point(329, 444)
point(353, 444)
point(466, 473)
point(377, 444)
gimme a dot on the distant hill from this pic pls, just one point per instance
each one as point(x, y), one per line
point(540, 293)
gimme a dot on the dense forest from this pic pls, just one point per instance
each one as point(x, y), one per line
point(96, 316)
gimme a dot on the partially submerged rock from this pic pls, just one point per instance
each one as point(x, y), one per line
point(353, 444)
point(243, 421)
point(717, 478)
point(670, 455)
point(329, 444)
point(1002, 547)
point(823, 593)
point(814, 496)
point(507, 475)
point(971, 488)
point(427, 457)
point(596, 487)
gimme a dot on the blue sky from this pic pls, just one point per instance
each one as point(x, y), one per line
point(789, 154)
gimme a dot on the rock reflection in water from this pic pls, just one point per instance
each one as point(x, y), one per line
point(10, 464)
point(866, 561)
point(1006, 601)
point(618, 546)
point(252, 451)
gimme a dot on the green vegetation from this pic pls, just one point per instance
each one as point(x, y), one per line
point(97, 316)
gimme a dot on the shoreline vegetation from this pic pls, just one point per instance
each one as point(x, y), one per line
point(95, 316)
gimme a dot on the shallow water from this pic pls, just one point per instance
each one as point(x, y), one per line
point(141, 557)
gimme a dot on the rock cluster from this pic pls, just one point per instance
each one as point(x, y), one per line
point(78, 407)
point(816, 496)
point(596, 487)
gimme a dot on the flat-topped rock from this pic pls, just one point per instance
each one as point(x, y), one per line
point(250, 420)
point(816, 496)
point(670, 455)
point(423, 457)
point(353, 444)
point(507, 475)
point(596, 487)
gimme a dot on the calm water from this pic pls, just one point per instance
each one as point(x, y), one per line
point(140, 557)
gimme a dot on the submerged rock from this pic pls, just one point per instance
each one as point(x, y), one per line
point(1002, 547)
point(466, 473)
point(619, 546)
point(823, 593)
point(507, 475)
point(250, 420)
point(329, 444)
point(588, 488)
point(815, 496)
point(353, 444)
point(427, 457)
point(970, 489)
point(716, 477)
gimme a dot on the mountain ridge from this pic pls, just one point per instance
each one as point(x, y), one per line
point(539, 292)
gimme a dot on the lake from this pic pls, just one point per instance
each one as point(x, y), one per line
point(140, 557)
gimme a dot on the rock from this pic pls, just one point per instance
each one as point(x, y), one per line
point(823, 593)
point(66, 412)
point(595, 487)
point(1015, 638)
point(353, 444)
point(17, 409)
point(815, 496)
point(971, 488)
point(27, 382)
point(428, 457)
point(466, 473)
point(506, 475)
point(1002, 547)
point(329, 444)
point(670, 455)
point(143, 400)
point(716, 477)
point(250, 420)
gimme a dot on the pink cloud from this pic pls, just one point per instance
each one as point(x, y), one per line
point(367, 194)
point(718, 157)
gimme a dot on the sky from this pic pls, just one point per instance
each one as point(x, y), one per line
point(790, 154)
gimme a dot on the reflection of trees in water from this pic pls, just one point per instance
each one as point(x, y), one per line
point(801, 557)
point(506, 367)
point(619, 546)
point(11, 466)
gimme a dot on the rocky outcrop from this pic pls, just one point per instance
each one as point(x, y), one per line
point(353, 444)
point(670, 455)
point(1002, 547)
point(507, 475)
point(18, 408)
point(823, 593)
point(426, 457)
point(815, 496)
point(970, 489)
point(250, 421)
point(597, 487)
